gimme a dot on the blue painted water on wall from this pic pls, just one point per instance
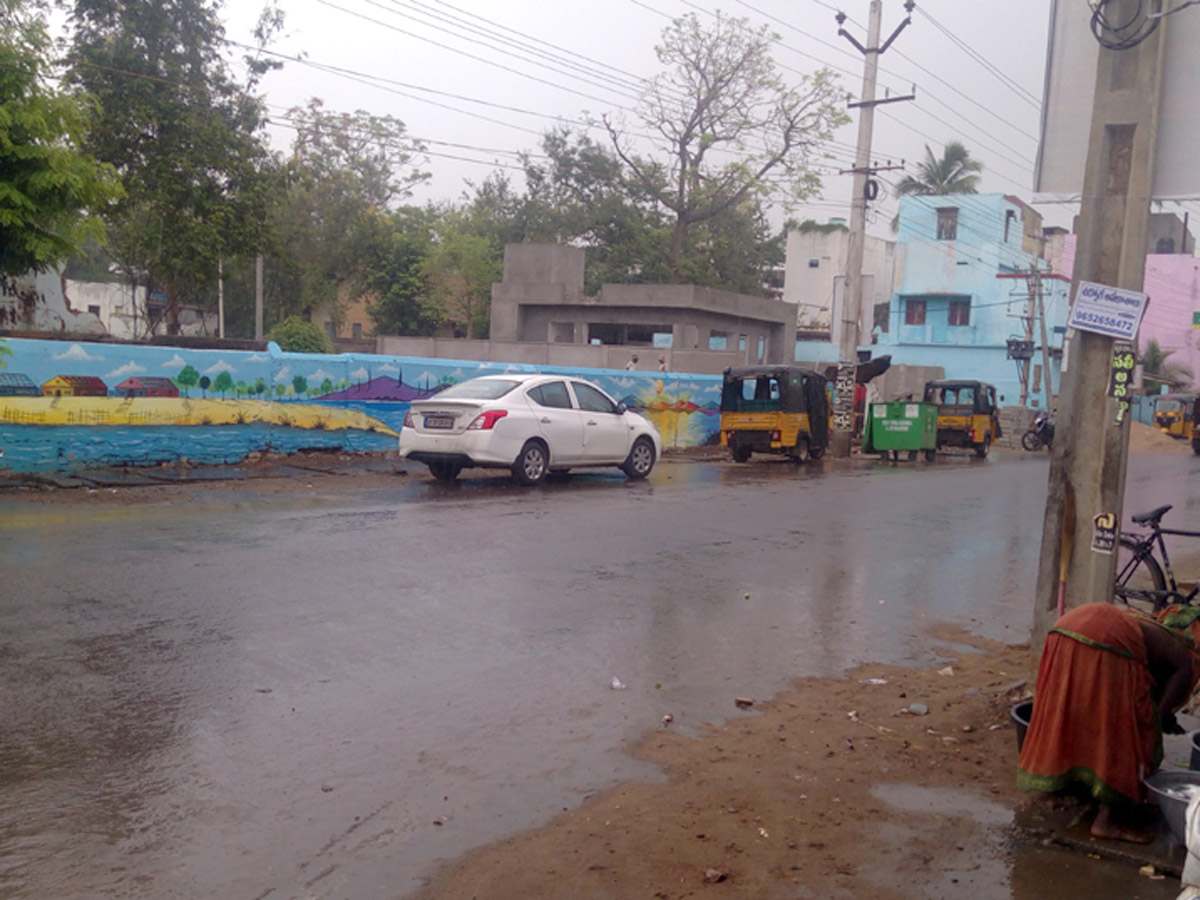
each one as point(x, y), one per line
point(65, 448)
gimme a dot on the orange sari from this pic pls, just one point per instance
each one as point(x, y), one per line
point(1094, 722)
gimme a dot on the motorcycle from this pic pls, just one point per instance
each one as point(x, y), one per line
point(1040, 433)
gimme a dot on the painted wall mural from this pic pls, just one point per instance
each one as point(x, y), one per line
point(70, 406)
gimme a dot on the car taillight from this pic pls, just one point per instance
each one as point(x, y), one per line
point(408, 420)
point(776, 436)
point(486, 421)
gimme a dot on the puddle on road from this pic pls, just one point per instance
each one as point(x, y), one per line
point(994, 862)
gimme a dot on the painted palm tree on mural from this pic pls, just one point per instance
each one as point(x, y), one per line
point(955, 173)
point(1158, 370)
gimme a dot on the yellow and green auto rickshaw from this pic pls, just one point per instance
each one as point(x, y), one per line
point(967, 414)
point(774, 409)
point(1174, 414)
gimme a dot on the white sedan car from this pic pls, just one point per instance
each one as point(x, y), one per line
point(530, 424)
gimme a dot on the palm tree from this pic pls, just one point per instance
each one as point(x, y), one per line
point(1156, 370)
point(954, 173)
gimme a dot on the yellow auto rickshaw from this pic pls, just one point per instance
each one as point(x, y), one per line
point(967, 414)
point(1174, 414)
point(774, 409)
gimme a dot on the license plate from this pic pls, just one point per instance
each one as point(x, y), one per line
point(439, 422)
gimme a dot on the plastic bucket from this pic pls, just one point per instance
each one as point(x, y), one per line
point(1020, 715)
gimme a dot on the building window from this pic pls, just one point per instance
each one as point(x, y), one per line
point(947, 223)
point(1164, 245)
point(718, 340)
point(357, 330)
point(762, 349)
point(94, 310)
point(914, 312)
point(741, 342)
point(330, 329)
point(1009, 215)
point(814, 263)
point(960, 312)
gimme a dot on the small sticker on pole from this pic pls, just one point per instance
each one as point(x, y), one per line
point(1113, 311)
point(1104, 537)
point(1120, 382)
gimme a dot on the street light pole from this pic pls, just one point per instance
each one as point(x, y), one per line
point(851, 312)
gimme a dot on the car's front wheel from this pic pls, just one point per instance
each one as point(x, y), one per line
point(640, 460)
point(532, 464)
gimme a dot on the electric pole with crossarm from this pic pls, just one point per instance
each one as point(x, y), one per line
point(864, 191)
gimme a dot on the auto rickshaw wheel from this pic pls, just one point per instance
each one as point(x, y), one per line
point(741, 454)
point(981, 449)
point(800, 452)
point(930, 455)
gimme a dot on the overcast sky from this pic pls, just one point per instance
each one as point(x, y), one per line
point(480, 80)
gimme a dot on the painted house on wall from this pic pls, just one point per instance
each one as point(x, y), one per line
point(14, 384)
point(74, 386)
point(146, 386)
point(963, 292)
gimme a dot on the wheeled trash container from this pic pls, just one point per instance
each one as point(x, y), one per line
point(901, 426)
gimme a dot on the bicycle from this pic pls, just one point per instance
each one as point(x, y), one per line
point(1142, 581)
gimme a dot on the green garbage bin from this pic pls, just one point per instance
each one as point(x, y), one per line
point(901, 426)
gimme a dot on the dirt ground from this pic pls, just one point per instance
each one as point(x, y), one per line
point(787, 803)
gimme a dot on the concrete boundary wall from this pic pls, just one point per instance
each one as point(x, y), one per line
point(66, 406)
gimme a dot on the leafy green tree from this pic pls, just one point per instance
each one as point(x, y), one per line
point(240, 388)
point(185, 137)
point(326, 387)
point(299, 385)
point(280, 390)
point(726, 128)
point(296, 335)
point(50, 189)
point(187, 378)
point(459, 272)
point(205, 381)
point(223, 383)
point(346, 174)
point(395, 278)
point(260, 386)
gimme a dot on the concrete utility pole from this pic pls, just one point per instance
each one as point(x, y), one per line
point(1087, 468)
point(258, 297)
point(220, 298)
point(843, 413)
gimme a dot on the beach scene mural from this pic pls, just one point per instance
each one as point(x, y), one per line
point(72, 405)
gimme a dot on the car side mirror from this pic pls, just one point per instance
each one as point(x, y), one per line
point(621, 408)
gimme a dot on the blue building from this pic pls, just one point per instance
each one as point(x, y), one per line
point(962, 297)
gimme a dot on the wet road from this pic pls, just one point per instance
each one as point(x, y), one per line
point(283, 697)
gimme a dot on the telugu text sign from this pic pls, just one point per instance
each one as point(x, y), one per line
point(1107, 310)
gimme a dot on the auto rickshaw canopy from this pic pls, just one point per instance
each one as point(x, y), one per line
point(784, 388)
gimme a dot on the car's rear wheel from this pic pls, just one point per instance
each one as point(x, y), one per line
point(445, 471)
point(532, 464)
point(640, 460)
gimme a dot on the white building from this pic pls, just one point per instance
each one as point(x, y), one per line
point(815, 276)
point(126, 313)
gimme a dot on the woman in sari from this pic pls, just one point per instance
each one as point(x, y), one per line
point(1109, 683)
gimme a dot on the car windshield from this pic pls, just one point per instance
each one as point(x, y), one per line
point(478, 389)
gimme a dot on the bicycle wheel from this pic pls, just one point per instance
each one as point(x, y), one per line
point(1140, 582)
